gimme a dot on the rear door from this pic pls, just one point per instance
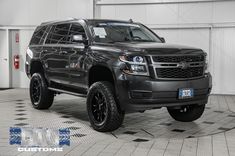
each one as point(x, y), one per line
point(56, 53)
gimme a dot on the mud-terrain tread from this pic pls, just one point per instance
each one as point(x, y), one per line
point(47, 96)
point(115, 116)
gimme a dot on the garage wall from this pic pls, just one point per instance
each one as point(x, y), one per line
point(208, 24)
point(33, 12)
point(23, 16)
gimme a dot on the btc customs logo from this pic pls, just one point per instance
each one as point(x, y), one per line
point(39, 139)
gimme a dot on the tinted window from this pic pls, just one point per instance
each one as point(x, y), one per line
point(63, 33)
point(38, 35)
point(121, 32)
point(59, 34)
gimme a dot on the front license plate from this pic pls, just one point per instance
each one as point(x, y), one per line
point(186, 93)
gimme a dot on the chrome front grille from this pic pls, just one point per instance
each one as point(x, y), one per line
point(189, 58)
point(178, 67)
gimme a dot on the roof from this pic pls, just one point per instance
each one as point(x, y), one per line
point(88, 20)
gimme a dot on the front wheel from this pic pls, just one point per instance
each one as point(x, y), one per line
point(41, 97)
point(186, 113)
point(103, 111)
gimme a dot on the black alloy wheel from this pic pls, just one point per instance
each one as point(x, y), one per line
point(36, 91)
point(41, 97)
point(103, 109)
point(99, 107)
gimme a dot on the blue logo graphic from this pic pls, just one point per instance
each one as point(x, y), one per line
point(39, 137)
point(15, 136)
point(64, 137)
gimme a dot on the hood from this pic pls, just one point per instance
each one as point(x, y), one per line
point(157, 48)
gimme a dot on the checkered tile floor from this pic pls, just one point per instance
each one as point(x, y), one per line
point(151, 133)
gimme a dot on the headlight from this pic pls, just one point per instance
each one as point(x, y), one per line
point(206, 64)
point(135, 65)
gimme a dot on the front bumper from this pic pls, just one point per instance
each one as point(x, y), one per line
point(141, 93)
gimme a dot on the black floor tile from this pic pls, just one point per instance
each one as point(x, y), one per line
point(78, 135)
point(65, 116)
point(224, 129)
point(20, 114)
point(208, 122)
point(219, 111)
point(140, 140)
point(178, 130)
point(130, 132)
point(165, 124)
point(19, 103)
point(69, 122)
point(20, 106)
point(21, 124)
point(20, 118)
point(20, 110)
point(73, 128)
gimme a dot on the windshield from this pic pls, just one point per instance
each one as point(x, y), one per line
point(111, 32)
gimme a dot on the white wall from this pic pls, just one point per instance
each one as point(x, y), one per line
point(33, 12)
point(24, 15)
point(207, 24)
point(4, 61)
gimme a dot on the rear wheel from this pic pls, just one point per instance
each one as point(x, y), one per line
point(41, 97)
point(187, 113)
point(103, 111)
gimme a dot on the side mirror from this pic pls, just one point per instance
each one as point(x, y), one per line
point(79, 39)
point(163, 39)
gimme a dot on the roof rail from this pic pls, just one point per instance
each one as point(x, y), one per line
point(50, 22)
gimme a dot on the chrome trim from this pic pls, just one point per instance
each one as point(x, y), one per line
point(67, 92)
point(77, 45)
point(175, 65)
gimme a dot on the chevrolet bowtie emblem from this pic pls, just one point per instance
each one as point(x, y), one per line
point(183, 65)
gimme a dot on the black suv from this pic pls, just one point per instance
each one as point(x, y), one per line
point(120, 66)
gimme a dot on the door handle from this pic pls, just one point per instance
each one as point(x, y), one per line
point(5, 59)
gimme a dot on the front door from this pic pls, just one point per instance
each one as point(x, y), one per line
point(77, 59)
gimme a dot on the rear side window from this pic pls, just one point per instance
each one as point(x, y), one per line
point(38, 35)
point(59, 34)
point(63, 33)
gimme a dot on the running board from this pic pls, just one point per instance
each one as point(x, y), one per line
point(67, 92)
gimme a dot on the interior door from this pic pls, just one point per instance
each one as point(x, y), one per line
point(4, 59)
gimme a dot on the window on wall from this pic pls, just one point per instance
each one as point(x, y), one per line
point(39, 35)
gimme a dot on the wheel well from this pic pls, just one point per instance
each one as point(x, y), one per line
point(100, 73)
point(36, 67)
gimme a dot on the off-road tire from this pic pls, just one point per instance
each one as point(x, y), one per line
point(45, 96)
point(114, 116)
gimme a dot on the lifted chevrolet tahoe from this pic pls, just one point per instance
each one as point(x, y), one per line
point(120, 66)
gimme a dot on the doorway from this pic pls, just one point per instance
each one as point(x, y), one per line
point(4, 59)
